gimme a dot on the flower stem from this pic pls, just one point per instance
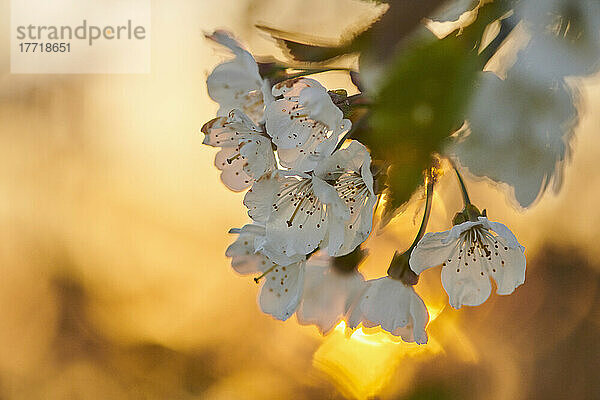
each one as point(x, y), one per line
point(399, 267)
point(426, 214)
point(463, 188)
point(304, 72)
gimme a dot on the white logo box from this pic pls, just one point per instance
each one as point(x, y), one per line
point(80, 36)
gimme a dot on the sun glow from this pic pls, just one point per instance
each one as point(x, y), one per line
point(361, 362)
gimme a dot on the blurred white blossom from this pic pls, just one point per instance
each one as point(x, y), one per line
point(565, 37)
point(519, 132)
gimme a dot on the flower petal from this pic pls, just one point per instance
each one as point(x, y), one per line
point(293, 87)
point(393, 306)
point(226, 39)
point(236, 83)
point(358, 228)
point(298, 220)
point(231, 130)
point(259, 157)
point(420, 318)
point(432, 250)
point(246, 156)
point(305, 124)
point(351, 158)
point(503, 231)
point(308, 156)
point(262, 245)
point(508, 268)
point(281, 291)
point(334, 240)
point(296, 136)
point(466, 280)
point(230, 82)
point(347, 168)
point(327, 194)
point(327, 295)
point(244, 260)
point(320, 107)
point(259, 199)
point(231, 164)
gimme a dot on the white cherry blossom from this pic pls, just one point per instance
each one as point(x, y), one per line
point(305, 124)
point(328, 293)
point(298, 212)
point(395, 307)
point(282, 284)
point(351, 170)
point(237, 83)
point(246, 153)
point(470, 253)
point(331, 208)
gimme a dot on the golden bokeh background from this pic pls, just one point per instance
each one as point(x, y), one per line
point(113, 221)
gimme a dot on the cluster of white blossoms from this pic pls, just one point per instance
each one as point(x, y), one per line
point(311, 198)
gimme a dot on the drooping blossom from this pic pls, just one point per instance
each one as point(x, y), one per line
point(328, 293)
point(305, 124)
point(246, 153)
point(394, 306)
point(470, 254)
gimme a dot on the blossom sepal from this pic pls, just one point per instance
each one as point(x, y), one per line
point(399, 269)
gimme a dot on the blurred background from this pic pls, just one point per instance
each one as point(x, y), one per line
point(113, 228)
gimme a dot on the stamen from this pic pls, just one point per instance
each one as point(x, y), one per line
point(289, 221)
point(232, 159)
point(264, 273)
